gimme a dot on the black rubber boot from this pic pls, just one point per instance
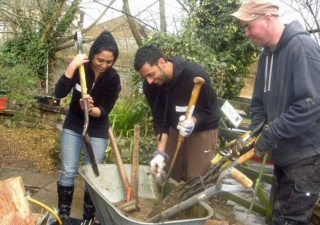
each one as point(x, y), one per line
point(65, 195)
point(88, 208)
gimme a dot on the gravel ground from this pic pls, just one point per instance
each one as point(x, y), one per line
point(26, 148)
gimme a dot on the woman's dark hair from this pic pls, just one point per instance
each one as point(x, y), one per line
point(108, 48)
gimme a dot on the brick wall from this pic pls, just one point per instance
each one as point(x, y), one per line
point(31, 114)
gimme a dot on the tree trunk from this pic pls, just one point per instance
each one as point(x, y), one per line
point(131, 23)
point(14, 206)
point(163, 23)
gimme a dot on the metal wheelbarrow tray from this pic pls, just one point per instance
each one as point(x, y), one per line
point(107, 189)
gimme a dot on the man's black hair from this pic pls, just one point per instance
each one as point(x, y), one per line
point(147, 54)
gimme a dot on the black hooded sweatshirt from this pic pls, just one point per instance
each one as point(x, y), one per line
point(170, 100)
point(104, 92)
point(287, 94)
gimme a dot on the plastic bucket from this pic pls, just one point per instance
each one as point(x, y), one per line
point(3, 103)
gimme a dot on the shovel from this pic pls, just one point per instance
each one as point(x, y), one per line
point(85, 136)
point(198, 81)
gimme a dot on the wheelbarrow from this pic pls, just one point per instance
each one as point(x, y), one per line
point(107, 190)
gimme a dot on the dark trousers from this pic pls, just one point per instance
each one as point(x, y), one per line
point(296, 189)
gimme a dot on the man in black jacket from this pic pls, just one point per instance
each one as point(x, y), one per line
point(168, 86)
point(287, 95)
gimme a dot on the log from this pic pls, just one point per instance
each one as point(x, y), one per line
point(14, 205)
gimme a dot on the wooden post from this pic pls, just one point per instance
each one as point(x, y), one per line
point(135, 163)
point(14, 205)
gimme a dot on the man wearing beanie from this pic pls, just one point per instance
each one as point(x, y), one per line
point(103, 84)
point(286, 95)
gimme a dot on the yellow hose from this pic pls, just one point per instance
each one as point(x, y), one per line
point(47, 208)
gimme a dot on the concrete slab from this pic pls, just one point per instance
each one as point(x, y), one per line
point(29, 178)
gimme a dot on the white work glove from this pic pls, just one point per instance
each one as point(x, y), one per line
point(158, 162)
point(185, 126)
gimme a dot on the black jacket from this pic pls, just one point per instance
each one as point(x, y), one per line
point(287, 94)
point(169, 101)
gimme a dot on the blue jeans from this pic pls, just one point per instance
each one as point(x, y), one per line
point(71, 143)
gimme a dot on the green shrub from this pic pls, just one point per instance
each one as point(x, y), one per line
point(125, 114)
point(147, 148)
point(19, 82)
point(190, 47)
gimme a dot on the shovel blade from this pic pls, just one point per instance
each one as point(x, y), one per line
point(166, 186)
point(88, 147)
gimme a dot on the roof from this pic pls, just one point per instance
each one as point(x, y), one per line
point(118, 27)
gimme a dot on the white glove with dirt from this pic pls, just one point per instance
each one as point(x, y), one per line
point(185, 126)
point(158, 162)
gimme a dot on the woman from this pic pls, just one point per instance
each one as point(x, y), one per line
point(103, 84)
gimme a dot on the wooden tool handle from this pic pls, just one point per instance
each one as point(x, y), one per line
point(198, 81)
point(241, 178)
point(248, 155)
point(83, 82)
point(119, 160)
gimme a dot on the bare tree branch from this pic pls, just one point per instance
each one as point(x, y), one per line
point(183, 6)
point(99, 17)
point(55, 16)
point(309, 12)
point(121, 11)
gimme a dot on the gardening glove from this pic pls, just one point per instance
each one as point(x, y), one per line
point(185, 126)
point(158, 162)
point(263, 144)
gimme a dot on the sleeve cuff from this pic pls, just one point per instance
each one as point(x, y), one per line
point(159, 152)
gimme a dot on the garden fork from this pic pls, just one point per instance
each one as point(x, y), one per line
point(207, 193)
